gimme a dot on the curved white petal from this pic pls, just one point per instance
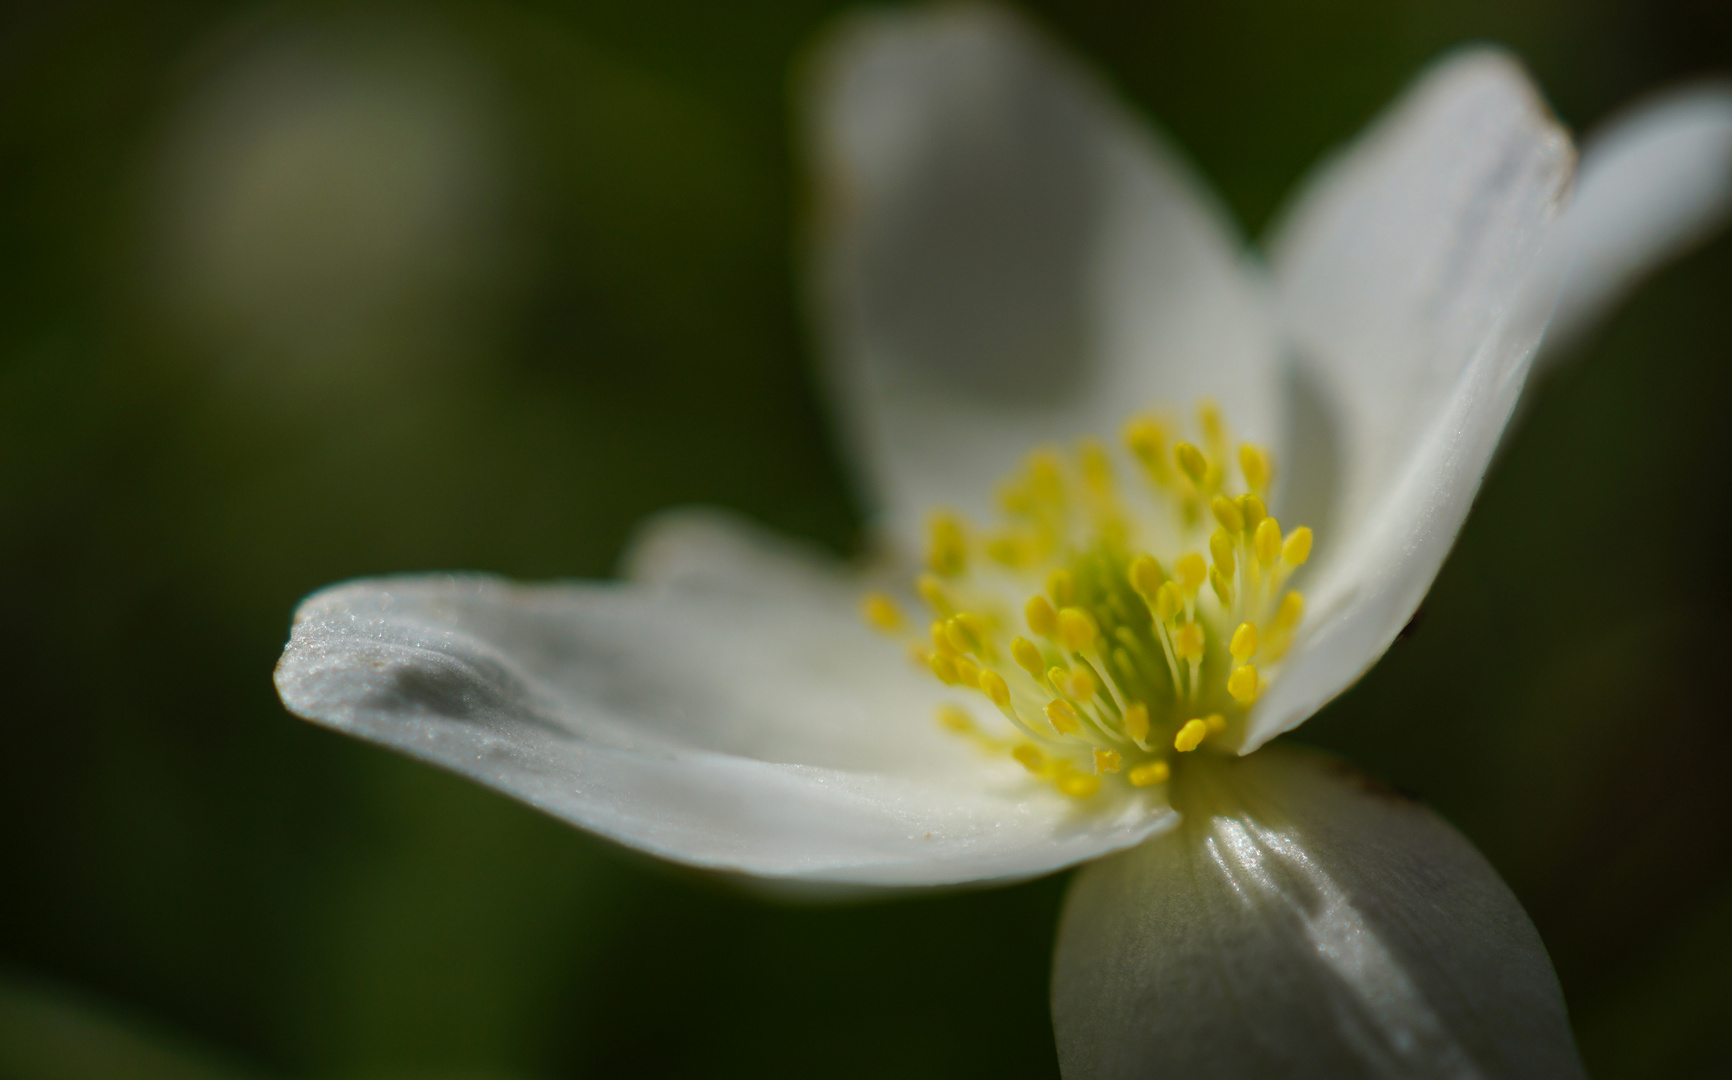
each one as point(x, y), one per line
point(1004, 255)
point(1653, 183)
point(714, 727)
point(1411, 282)
point(1302, 921)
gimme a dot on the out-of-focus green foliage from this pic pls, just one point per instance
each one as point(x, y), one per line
point(307, 291)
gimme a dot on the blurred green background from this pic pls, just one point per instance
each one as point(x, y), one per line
point(297, 292)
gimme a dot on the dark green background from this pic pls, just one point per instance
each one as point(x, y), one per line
point(196, 885)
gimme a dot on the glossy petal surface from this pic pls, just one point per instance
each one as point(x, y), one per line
point(1302, 921)
point(1407, 278)
point(1005, 256)
point(715, 727)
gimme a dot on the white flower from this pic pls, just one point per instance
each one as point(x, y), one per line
point(1006, 258)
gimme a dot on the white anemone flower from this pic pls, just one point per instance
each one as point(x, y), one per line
point(1014, 275)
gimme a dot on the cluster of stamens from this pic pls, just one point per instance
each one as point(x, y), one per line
point(1129, 659)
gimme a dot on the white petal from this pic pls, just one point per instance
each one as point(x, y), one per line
point(1409, 282)
point(1004, 255)
point(1653, 183)
point(1302, 921)
point(715, 728)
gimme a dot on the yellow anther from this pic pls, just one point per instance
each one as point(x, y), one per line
point(1042, 619)
point(1222, 586)
point(1079, 785)
point(1057, 676)
point(933, 593)
point(1147, 440)
point(1063, 717)
point(1081, 685)
point(1061, 588)
point(1137, 722)
point(1292, 608)
point(1027, 656)
point(1254, 511)
point(947, 550)
point(1097, 467)
point(1191, 736)
point(941, 639)
point(1227, 512)
point(1191, 462)
point(1169, 601)
point(1030, 757)
point(1188, 642)
point(881, 612)
point(943, 668)
point(1297, 547)
point(967, 671)
point(1255, 463)
point(1244, 643)
point(1243, 684)
point(1009, 550)
point(1108, 761)
point(1146, 576)
point(967, 633)
point(1209, 416)
point(997, 691)
point(1076, 629)
point(1150, 774)
point(1221, 550)
point(1217, 723)
point(1190, 572)
point(955, 719)
point(1268, 542)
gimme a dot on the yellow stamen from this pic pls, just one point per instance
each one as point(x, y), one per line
point(941, 639)
point(1188, 642)
point(967, 633)
point(1291, 610)
point(1030, 757)
point(1254, 462)
point(1149, 774)
point(1063, 717)
point(1190, 572)
point(1076, 629)
point(1169, 601)
point(997, 691)
point(1081, 685)
point(1227, 512)
point(1042, 619)
point(1244, 644)
point(947, 550)
point(1061, 588)
point(1268, 542)
point(933, 593)
point(967, 672)
point(1216, 722)
point(1223, 588)
point(881, 612)
point(1242, 684)
point(1253, 510)
point(1221, 548)
point(1297, 547)
point(1190, 736)
point(1108, 761)
point(1191, 462)
point(1145, 576)
point(1137, 722)
point(1079, 785)
point(943, 668)
point(1027, 656)
point(955, 719)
